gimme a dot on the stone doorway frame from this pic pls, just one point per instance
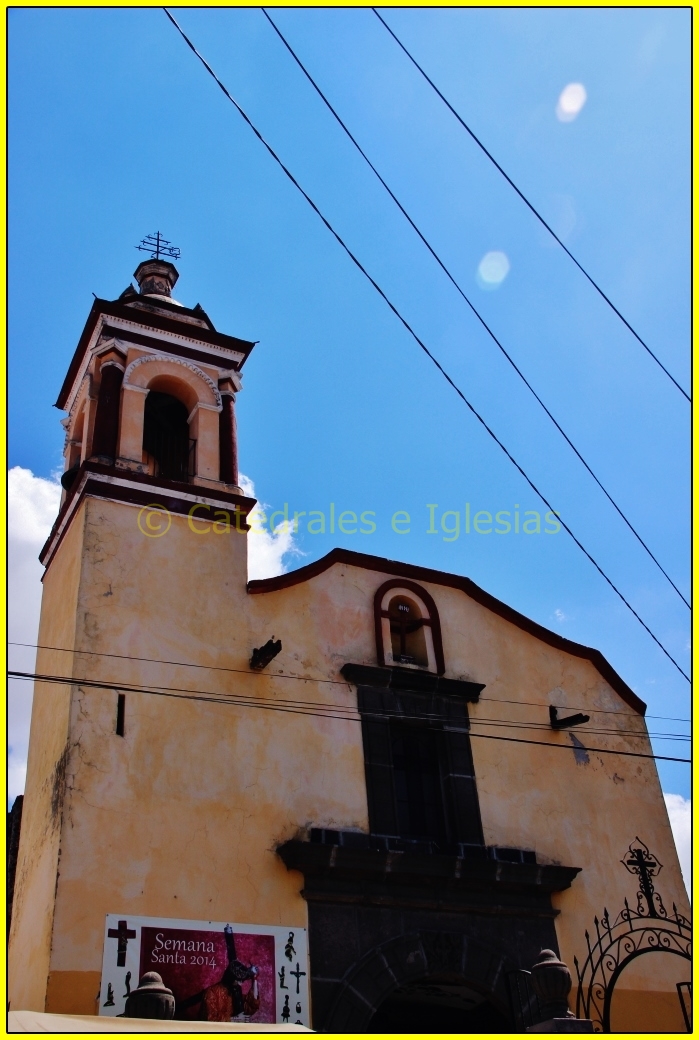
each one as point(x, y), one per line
point(405, 959)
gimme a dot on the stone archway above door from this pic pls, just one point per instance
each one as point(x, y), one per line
point(406, 959)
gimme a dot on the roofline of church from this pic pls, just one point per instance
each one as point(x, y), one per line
point(113, 308)
point(454, 581)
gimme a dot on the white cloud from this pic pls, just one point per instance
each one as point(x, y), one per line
point(32, 508)
point(679, 810)
point(266, 550)
point(570, 103)
point(492, 270)
point(559, 615)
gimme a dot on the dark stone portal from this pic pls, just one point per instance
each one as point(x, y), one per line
point(438, 1005)
point(397, 939)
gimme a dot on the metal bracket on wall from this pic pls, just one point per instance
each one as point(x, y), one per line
point(566, 723)
point(261, 656)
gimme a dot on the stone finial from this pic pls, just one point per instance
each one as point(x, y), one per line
point(152, 999)
point(552, 982)
point(156, 277)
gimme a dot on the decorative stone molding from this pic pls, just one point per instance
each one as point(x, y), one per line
point(201, 406)
point(231, 384)
point(149, 359)
point(106, 343)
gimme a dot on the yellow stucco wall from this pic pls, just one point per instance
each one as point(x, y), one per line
point(570, 811)
point(180, 818)
point(49, 754)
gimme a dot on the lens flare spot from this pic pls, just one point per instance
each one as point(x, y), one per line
point(570, 103)
point(492, 270)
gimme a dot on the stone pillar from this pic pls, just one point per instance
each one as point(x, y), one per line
point(203, 428)
point(106, 431)
point(228, 439)
point(133, 400)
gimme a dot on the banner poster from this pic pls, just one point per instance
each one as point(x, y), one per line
point(217, 971)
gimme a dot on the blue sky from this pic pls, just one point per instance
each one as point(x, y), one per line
point(116, 131)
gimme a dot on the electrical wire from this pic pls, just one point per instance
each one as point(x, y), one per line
point(424, 716)
point(315, 679)
point(470, 303)
point(212, 698)
point(417, 339)
point(595, 711)
point(529, 204)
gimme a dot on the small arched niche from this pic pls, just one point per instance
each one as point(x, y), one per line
point(408, 633)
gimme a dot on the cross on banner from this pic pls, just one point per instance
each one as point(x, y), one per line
point(298, 975)
point(123, 933)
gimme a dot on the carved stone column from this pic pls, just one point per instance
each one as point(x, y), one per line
point(228, 440)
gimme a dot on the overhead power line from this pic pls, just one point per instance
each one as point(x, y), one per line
point(462, 293)
point(341, 714)
point(319, 679)
point(533, 209)
point(417, 339)
point(326, 706)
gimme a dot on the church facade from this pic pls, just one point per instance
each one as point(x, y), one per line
point(426, 786)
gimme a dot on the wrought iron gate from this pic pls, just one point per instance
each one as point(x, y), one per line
point(648, 928)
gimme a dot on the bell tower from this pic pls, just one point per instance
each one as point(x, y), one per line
point(145, 567)
point(150, 395)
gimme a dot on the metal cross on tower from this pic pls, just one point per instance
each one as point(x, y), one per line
point(158, 246)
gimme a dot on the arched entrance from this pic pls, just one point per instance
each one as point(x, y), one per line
point(438, 1004)
point(428, 982)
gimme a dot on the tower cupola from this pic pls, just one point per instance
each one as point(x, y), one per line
point(156, 277)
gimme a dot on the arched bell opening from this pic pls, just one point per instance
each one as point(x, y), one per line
point(168, 449)
point(439, 1004)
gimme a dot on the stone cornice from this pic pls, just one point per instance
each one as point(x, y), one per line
point(139, 489)
point(412, 681)
point(206, 344)
point(333, 873)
